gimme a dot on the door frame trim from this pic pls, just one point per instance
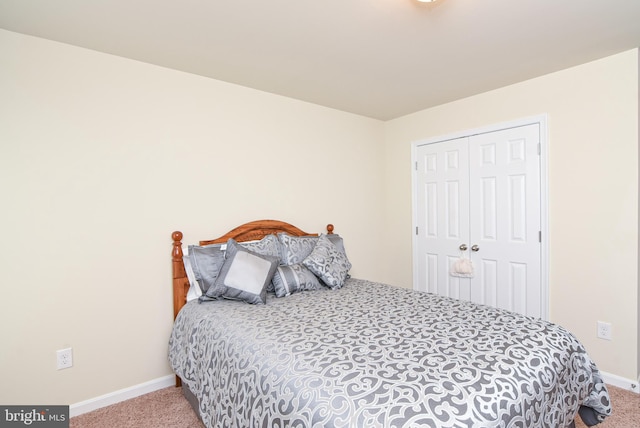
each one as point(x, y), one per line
point(541, 120)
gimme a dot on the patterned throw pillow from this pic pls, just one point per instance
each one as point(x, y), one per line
point(267, 246)
point(293, 278)
point(296, 248)
point(244, 275)
point(328, 263)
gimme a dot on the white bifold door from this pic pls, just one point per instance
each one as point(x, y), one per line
point(478, 197)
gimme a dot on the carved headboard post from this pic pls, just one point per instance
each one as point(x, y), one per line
point(180, 281)
point(176, 254)
point(329, 229)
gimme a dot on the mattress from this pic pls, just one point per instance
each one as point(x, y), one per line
point(375, 355)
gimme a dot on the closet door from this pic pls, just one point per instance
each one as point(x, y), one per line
point(504, 184)
point(443, 215)
point(479, 197)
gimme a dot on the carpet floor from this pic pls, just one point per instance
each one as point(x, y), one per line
point(167, 408)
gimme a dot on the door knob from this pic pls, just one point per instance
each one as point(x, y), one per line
point(475, 248)
point(463, 247)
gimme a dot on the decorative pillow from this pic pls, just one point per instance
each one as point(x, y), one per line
point(328, 263)
point(267, 246)
point(206, 263)
point(293, 278)
point(296, 248)
point(337, 241)
point(244, 275)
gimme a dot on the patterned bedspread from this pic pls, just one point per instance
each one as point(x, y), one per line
point(373, 355)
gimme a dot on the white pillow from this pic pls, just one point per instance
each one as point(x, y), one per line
point(194, 289)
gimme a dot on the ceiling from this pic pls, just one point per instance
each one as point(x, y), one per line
point(377, 58)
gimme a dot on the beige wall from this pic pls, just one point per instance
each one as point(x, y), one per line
point(593, 192)
point(101, 158)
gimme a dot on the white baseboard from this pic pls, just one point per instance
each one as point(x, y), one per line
point(121, 395)
point(620, 382)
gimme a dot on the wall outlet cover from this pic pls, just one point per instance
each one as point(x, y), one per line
point(64, 358)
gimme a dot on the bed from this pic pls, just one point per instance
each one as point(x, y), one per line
point(356, 353)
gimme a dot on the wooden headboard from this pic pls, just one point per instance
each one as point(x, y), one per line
point(251, 231)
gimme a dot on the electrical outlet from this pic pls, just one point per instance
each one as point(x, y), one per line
point(64, 358)
point(604, 330)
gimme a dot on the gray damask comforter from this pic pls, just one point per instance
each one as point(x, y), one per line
point(373, 355)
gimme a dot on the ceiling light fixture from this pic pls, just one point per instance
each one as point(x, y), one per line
point(426, 1)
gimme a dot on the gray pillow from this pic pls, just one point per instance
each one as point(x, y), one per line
point(337, 241)
point(267, 246)
point(206, 263)
point(244, 275)
point(296, 248)
point(328, 263)
point(293, 278)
